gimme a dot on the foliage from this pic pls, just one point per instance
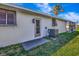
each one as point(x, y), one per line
point(57, 8)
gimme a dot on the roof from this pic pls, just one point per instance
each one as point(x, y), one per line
point(22, 8)
point(43, 14)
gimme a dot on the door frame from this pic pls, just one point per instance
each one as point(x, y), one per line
point(37, 34)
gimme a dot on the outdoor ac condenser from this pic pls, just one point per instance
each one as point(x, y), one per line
point(53, 32)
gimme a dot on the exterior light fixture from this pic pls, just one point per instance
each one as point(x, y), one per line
point(33, 20)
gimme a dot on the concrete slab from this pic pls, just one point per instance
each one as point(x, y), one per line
point(34, 43)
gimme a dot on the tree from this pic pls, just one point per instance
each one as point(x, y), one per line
point(57, 9)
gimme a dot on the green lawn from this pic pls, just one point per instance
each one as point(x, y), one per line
point(70, 49)
point(63, 43)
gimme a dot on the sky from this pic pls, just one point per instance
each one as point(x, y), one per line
point(71, 10)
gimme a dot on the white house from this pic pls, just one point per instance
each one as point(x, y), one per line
point(19, 24)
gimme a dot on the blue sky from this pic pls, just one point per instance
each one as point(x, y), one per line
point(71, 10)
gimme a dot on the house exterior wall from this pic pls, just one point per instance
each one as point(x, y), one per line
point(45, 22)
point(67, 26)
point(61, 26)
point(25, 29)
point(71, 26)
point(22, 32)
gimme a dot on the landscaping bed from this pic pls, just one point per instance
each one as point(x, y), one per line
point(44, 50)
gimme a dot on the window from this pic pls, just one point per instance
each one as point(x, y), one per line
point(37, 27)
point(10, 17)
point(2, 17)
point(7, 17)
point(54, 23)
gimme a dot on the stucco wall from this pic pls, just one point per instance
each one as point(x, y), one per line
point(61, 26)
point(24, 30)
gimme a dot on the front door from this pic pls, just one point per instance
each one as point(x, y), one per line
point(37, 28)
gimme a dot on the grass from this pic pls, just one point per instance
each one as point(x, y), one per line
point(44, 50)
point(77, 28)
point(70, 49)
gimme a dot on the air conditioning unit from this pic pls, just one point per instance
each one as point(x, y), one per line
point(53, 32)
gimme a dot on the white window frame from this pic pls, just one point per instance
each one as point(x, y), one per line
point(7, 19)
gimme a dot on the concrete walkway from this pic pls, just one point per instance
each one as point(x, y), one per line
point(34, 43)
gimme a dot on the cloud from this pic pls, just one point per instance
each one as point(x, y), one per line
point(44, 7)
point(70, 16)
